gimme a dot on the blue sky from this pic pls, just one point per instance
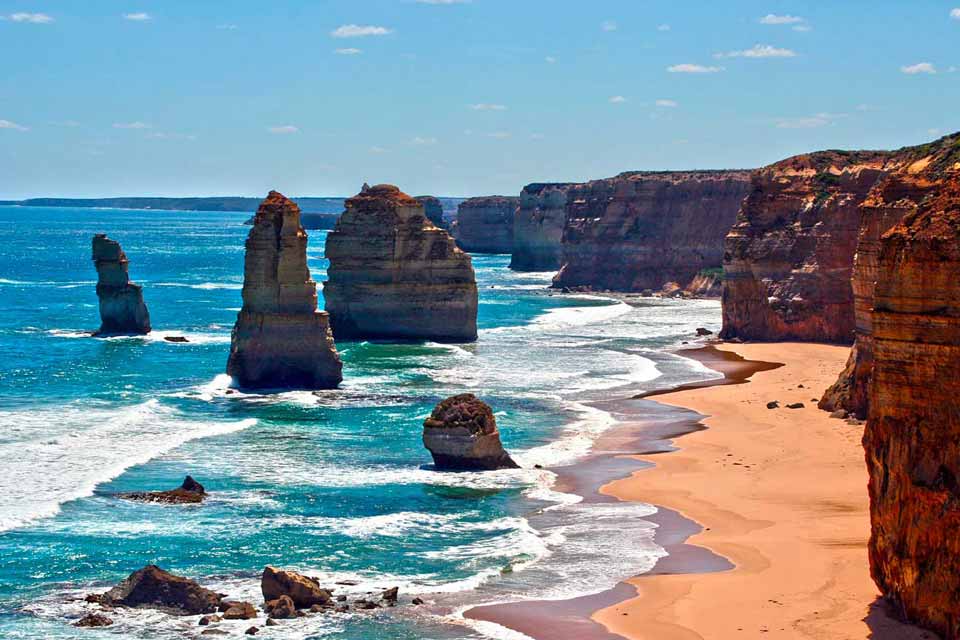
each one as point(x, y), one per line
point(183, 97)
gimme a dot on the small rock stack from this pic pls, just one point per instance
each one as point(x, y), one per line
point(122, 310)
point(461, 435)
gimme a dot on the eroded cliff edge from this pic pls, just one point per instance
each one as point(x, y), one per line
point(538, 227)
point(485, 224)
point(394, 275)
point(643, 230)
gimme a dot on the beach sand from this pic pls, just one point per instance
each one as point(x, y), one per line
point(781, 494)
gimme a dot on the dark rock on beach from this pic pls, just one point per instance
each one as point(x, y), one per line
point(461, 435)
point(154, 588)
point(190, 492)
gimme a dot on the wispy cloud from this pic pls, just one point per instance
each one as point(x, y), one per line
point(955, 13)
point(663, 27)
point(693, 68)
point(419, 140)
point(6, 124)
point(802, 28)
point(499, 135)
point(920, 67)
point(550, 59)
point(227, 27)
point(809, 122)
point(486, 106)
point(284, 129)
point(608, 25)
point(759, 51)
point(359, 31)
point(443, 2)
point(772, 18)
point(160, 135)
point(31, 18)
point(667, 103)
point(349, 51)
point(131, 125)
point(617, 100)
point(138, 17)
point(379, 150)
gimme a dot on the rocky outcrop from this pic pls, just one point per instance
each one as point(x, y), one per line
point(433, 209)
point(122, 310)
point(280, 340)
point(912, 438)
point(190, 492)
point(789, 258)
point(538, 227)
point(302, 590)
point(461, 435)
point(93, 620)
point(485, 225)
point(914, 173)
point(154, 588)
point(394, 275)
point(641, 230)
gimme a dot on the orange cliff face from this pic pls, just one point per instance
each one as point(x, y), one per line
point(788, 259)
point(912, 438)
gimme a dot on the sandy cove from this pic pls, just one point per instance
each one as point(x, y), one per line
point(782, 494)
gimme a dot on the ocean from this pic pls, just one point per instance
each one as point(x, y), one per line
point(334, 483)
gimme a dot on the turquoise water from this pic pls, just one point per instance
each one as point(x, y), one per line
point(336, 483)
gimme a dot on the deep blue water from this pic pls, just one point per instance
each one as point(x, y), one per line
point(336, 483)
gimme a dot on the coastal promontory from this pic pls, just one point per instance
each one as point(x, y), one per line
point(122, 310)
point(485, 224)
point(538, 227)
point(280, 339)
point(394, 275)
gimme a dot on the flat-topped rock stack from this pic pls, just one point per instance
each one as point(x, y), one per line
point(280, 339)
point(394, 275)
point(461, 435)
point(485, 224)
point(122, 310)
point(538, 227)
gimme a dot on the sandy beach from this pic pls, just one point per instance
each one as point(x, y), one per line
point(780, 493)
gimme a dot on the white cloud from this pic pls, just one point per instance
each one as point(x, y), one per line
point(759, 51)
point(32, 18)
point(955, 13)
point(137, 17)
point(693, 68)
point(802, 28)
point(6, 124)
point(227, 27)
point(443, 2)
point(358, 31)
point(550, 59)
point(609, 25)
point(663, 27)
point(667, 103)
point(378, 150)
point(811, 122)
point(499, 135)
point(484, 106)
point(617, 100)
point(159, 135)
point(423, 141)
point(349, 51)
point(920, 67)
point(131, 125)
point(284, 129)
point(772, 18)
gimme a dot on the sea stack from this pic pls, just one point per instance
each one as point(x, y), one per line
point(394, 275)
point(461, 435)
point(433, 209)
point(280, 340)
point(912, 438)
point(538, 227)
point(485, 225)
point(122, 310)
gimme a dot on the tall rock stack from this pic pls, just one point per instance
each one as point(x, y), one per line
point(485, 225)
point(538, 227)
point(912, 438)
point(280, 340)
point(644, 230)
point(394, 275)
point(433, 209)
point(122, 310)
point(789, 258)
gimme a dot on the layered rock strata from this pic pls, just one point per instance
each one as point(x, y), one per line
point(788, 259)
point(122, 310)
point(433, 210)
point(461, 435)
point(912, 438)
point(485, 225)
point(538, 227)
point(642, 230)
point(280, 340)
point(395, 275)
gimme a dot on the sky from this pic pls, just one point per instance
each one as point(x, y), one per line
point(106, 98)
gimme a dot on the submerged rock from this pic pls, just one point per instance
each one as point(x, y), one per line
point(302, 590)
point(280, 340)
point(122, 310)
point(154, 588)
point(394, 275)
point(461, 434)
point(92, 620)
point(190, 492)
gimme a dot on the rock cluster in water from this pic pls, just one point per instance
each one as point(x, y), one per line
point(485, 225)
point(648, 230)
point(280, 340)
point(122, 310)
point(190, 492)
point(154, 588)
point(538, 227)
point(461, 435)
point(395, 275)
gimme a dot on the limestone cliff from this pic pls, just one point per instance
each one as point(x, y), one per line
point(642, 230)
point(789, 258)
point(538, 227)
point(433, 209)
point(912, 438)
point(394, 275)
point(122, 310)
point(485, 225)
point(280, 340)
